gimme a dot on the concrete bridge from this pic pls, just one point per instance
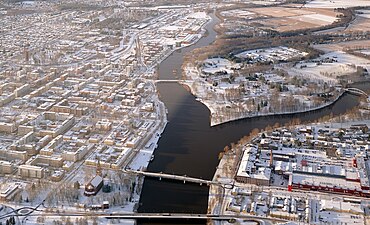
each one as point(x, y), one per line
point(169, 81)
point(214, 217)
point(177, 216)
point(356, 91)
point(183, 178)
point(180, 216)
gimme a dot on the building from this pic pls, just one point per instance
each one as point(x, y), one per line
point(94, 186)
point(29, 171)
point(7, 127)
point(8, 192)
point(6, 167)
point(252, 170)
point(325, 183)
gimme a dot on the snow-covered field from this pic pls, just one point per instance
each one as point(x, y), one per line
point(293, 18)
point(271, 54)
point(341, 46)
point(238, 13)
point(318, 18)
point(366, 52)
point(364, 13)
point(336, 3)
point(344, 64)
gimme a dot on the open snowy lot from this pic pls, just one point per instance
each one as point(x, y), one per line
point(336, 3)
point(333, 64)
point(361, 22)
point(291, 18)
point(341, 46)
point(241, 13)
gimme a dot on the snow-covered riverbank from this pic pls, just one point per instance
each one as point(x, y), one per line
point(217, 120)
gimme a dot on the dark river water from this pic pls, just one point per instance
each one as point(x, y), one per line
point(190, 146)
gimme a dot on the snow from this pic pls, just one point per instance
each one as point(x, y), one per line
point(202, 86)
point(365, 15)
point(199, 15)
point(336, 3)
point(345, 64)
point(217, 65)
point(334, 217)
point(238, 12)
point(170, 28)
point(96, 181)
point(320, 17)
point(366, 52)
point(316, 208)
point(28, 2)
point(142, 158)
point(271, 54)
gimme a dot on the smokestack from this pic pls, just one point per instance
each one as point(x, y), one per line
point(271, 158)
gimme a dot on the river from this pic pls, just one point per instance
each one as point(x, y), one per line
point(190, 146)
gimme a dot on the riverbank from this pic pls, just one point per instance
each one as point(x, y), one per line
point(214, 120)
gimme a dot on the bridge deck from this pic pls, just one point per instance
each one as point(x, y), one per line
point(169, 81)
point(356, 91)
point(157, 216)
point(174, 177)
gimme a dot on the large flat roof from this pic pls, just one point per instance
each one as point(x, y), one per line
point(324, 181)
point(248, 162)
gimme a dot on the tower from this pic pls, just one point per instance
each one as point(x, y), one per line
point(26, 54)
point(138, 51)
point(271, 158)
point(98, 168)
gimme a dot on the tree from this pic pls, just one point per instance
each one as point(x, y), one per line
point(12, 220)
point(95, 222)
point(254, 132)
point(220, 155)
point(69, 222)
point(76, 185)
point(106, 188)
point(226, 148)
point(41, 219)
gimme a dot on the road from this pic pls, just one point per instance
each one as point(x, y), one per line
point(145, 216)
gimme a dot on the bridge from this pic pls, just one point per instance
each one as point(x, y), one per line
point(356, 91)
point(185, 216)
point(169, 81)
point(175, 216)
point(183, 178)
point(180, 216)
